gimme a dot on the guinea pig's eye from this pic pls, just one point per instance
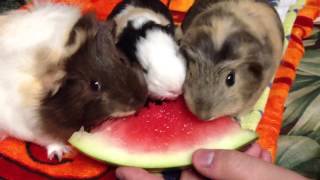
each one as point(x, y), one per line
point(95, 85)
point(230, 80)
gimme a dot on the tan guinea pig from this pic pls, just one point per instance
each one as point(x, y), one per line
point(232, 49)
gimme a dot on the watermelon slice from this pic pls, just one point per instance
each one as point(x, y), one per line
point(159, 137)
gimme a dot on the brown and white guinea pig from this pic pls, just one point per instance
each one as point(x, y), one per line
point(145, 33)
point(61, 71)
point(232, 49)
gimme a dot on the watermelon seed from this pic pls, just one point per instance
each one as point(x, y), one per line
point(161, 131)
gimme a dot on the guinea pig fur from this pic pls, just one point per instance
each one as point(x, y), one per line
point(232, 49)
point(145, 33)
point(61, 71)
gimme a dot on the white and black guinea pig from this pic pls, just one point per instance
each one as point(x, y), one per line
point(145, 33)
point(61, 71)
point(232, 49)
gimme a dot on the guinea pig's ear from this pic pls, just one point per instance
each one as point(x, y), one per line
point(88, 23)
point(84, 28)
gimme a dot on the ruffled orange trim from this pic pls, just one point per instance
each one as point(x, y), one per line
point(270, 125)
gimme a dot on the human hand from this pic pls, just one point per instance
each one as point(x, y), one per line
point(254, 164)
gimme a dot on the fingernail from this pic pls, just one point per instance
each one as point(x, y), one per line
point(205, 158)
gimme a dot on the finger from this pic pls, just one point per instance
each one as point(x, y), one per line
point(190, 175)
point(254, 150)
point(266, 156)
point(227, 164)
point(127, 173)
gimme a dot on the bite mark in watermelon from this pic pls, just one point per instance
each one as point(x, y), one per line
point(160, 136)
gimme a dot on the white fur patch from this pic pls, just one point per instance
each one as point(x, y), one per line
point(159, 54)
point(46, 25)
point(22, 34)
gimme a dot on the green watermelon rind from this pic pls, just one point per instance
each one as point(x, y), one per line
point(97, 146)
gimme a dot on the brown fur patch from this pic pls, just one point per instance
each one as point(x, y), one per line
point(78, 102)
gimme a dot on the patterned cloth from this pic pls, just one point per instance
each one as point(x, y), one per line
point(21, 160)
point(299, 144)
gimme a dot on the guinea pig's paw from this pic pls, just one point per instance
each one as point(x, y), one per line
point(57, 150)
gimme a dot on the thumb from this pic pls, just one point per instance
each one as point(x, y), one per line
point(228, 164)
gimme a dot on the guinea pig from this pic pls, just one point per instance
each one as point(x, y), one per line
point(232, 49)
point(61, 71)
point(145, 33)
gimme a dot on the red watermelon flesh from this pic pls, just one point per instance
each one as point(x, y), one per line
point(159, 136)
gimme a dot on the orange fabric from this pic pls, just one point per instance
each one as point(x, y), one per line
point(79, 167)
point(103, 7)
point(181, 5)
point(270, 125)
